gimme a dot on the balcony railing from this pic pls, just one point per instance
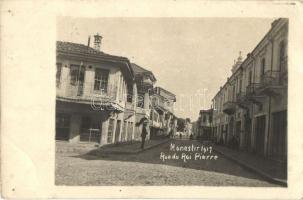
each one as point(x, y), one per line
point(86, 92)
point(270, 78)
point(229, 107)
point(252, 88)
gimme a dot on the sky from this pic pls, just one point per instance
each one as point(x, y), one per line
point(190, 57)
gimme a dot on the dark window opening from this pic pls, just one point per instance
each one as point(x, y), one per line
point(101, 80)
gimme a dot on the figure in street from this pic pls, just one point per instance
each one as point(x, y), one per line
point(144, 132)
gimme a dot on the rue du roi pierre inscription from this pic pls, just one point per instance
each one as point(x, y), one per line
point(188, 152)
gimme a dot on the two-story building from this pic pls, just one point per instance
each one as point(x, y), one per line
point(92, 101)
point(164, 121)
point(250, 109)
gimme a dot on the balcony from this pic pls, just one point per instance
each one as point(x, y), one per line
point(270, 83)
point(87, 94)
point(241, 100)
point(229, 107)
point(252, 89)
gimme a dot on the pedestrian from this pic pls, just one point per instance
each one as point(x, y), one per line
point(143, 134)
point(144, 131)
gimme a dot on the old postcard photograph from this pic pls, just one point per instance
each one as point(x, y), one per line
point(151, 101)
point(163, 115)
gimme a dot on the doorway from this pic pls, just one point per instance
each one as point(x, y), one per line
point(260, 134)
point(279, 132)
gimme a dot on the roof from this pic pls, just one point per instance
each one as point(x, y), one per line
point(70, 47)
point(138, 70)
point(81, 50)
point(206, 111)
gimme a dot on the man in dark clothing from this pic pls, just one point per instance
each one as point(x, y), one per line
point(143, 134)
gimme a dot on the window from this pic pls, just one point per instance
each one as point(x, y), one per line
point(129, 93)
point(250, 78)
point(77, 74)
point(140, 100)
point(204, 118)
point(101, 80)
point(58, 74)
point(262, 67)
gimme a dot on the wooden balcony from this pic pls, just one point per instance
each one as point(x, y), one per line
point(85, 93)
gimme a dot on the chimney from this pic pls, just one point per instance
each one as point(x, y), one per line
point(97, 42)
point(88, 42)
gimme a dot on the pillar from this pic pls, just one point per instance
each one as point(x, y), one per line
point(104, 131)
point(75, 128)
point(65, 78)
point(146, 101)
point(89, 81)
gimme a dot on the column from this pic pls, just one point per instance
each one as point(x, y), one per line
point(65, 78)
point(104, 131)
point(89, 80)
point(74, 134)
point(146, 101)
point(135, 96)
point(118, 86)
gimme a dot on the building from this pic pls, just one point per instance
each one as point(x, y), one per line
point(204, 125)
point(188, 128)
point(250, 109)
point(144, 80)
point(164, 122)
point(94, 96)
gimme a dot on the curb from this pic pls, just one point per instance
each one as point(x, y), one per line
point(132, 152)
point(253, 169)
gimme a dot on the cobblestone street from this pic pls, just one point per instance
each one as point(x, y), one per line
point(146, 168)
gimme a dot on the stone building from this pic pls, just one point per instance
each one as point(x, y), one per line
point(250, 109)
point(204, 125)
point(92, 104)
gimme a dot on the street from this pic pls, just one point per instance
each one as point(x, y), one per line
point(147, 168)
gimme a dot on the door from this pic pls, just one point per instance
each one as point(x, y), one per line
point(279, 139)
point(62, 126)
point(117, 133)
point(260, 134)
point(248, 133)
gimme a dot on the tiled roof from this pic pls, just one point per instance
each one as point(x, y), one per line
point(75, 48)
point(80, 50)
point(140, 70)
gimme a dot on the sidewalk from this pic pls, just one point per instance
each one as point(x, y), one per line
point(130, 148)
point(273, 171)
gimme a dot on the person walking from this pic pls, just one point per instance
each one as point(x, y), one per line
point(144, 132)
